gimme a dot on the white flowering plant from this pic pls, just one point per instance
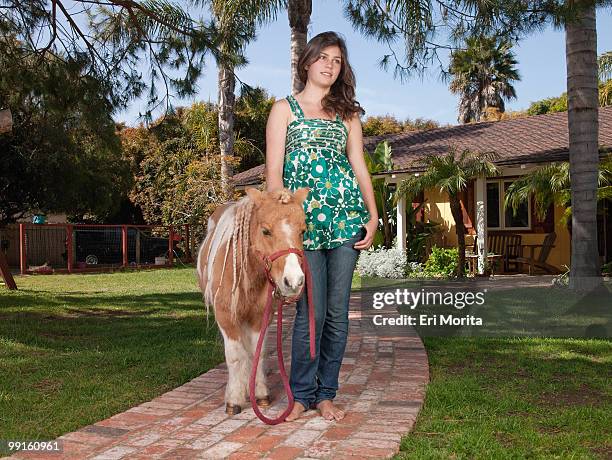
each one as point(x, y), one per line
point(382, 263)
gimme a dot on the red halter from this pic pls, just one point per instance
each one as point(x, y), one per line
point(273, 293)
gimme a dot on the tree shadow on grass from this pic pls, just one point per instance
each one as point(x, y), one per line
point(104, 331)
point(94, 322)
point(550, 363)
point(141, 302)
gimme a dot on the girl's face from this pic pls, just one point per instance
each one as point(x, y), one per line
point(325, 70)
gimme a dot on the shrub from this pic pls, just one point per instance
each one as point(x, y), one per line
point(442, 262)
point(415, 270)
point(383, 263)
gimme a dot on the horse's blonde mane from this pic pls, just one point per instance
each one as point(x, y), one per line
point(239, 240)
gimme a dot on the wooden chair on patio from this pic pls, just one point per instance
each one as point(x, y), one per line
point(540, 261)
point(508, 245)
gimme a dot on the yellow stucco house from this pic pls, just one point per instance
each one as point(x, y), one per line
point(521, 145)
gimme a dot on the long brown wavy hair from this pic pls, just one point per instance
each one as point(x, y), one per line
point(341, 96)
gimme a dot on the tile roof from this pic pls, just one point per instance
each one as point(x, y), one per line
point(534, 139)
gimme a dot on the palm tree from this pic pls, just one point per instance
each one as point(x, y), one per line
point(414, 22)
point(227, 100)
point(550, 185)
point(299, 12)
point(236, 23)
point(450, 173)
point(482, 76)
point(604, 64)
point(252, 110)
point(378, 162)
point(559, 104)
point(583, 125)
point(6, 125)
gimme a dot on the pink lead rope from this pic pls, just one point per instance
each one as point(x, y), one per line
point(268, 311)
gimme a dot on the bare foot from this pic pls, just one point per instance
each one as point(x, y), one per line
point(298, 409)
point(329, 411)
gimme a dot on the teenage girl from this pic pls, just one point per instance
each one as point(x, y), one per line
point(314, 139)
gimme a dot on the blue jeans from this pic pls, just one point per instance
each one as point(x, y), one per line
point(332, 273)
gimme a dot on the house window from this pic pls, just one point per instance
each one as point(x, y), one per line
point(493, 205)
point(499, 218)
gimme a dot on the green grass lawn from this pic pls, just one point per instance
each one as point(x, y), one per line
point(515, 399)
point(76, 349)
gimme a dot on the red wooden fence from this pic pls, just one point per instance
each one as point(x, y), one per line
point(70, 248)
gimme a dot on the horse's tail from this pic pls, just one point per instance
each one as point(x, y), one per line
point(201, 282)
point(205, 265)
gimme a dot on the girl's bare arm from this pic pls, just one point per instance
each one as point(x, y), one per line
point(354, 151)
point(276, 130)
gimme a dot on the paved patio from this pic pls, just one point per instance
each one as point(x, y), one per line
point(382, 388)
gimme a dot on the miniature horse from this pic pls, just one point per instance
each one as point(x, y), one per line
point(239, 232)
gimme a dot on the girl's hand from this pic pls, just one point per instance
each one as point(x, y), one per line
point(368, 239)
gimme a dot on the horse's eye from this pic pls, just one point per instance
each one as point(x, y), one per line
point(303, 231)
point(266, 232)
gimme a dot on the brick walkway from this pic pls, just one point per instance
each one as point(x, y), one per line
point(382, 387)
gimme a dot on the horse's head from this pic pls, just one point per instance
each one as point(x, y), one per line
point(278, 222)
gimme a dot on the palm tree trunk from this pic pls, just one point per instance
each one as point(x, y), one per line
point(299, 12)
point(457, 213)
point(581, 56)
point(6, 125)
point(481, 99)
point(227, 101)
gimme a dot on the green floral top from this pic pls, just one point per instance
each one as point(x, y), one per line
point(315, 157)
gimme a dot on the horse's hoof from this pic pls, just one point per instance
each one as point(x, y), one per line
point(264, 402)
point(232, 409)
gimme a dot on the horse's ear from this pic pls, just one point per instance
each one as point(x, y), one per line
point(300, 194)
point(254, 194)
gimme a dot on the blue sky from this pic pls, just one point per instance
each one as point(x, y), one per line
point(541, 64)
